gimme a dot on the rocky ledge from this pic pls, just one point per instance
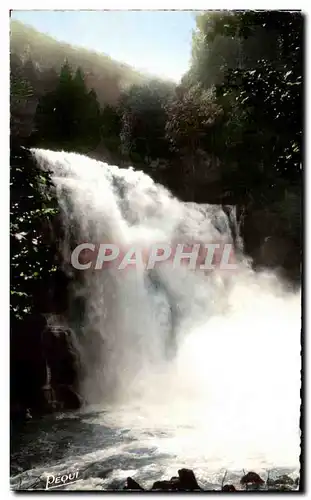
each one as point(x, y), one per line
point(186, 481)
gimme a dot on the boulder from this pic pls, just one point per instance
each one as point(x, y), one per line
point(228, 487)
point(131, 484)
point(284, 479)
point(27, 366)
point(188, 480)
point(68, 397)
point(252, 478)
point(281, 480)
point(185, 482)
point(60, 355)
point(62, 361)
point(172, 485)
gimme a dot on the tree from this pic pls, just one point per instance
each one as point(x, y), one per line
point(191, 118)
point(69, 116)
point(191, 130)
point(143, 119)
point(22, 100)
point(258, 77)
point(234, 40)
point(111, 128)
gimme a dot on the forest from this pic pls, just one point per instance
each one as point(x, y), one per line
point(230, 133)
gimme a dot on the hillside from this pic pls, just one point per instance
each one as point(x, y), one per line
point(105, 75)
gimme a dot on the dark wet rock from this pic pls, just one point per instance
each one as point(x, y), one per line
point(69, 398)
point(27, 366)
point(281, 487)
point(284, 479)
point(185, 482)
point(19, 414)
point(282, 483)
point(63, 363)
point(166, 485)
point(269, 242)
point(60, 355)
point(174, 484)
point(44, 368)
point(131, 484)
point(188, 480)
point(228, 487)
point(252, 478)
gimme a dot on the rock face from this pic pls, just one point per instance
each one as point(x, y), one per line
point(63, 363)
point(252, 478)
point(27, 366)
point(132, 485)
point(228, 487)
point(171, 485)
point(186, 481)
point(44, 368)
point(283, 480)
point(271, 243)
point(47, 295)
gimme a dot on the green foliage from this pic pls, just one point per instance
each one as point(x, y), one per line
point(32, 209)
point(143, 116)
point(20, 89)
point(213, 52)
point(241, 40)
point(192, 118)
point(270, 104)
point(110, 128)
point(255, 61)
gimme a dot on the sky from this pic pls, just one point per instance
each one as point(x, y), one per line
point(156, 42)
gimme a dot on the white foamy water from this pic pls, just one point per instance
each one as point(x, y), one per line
point(197, 370)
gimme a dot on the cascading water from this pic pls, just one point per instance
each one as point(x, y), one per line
point(199, 370)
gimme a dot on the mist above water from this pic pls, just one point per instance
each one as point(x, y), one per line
point(214, 357)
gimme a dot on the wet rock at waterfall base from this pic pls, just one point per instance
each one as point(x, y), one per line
point(281, 487)
point(285, 479)
point(168, 485)
point(132, 485)
point(60, 355)
point(70, 399)
point(252, 478)
point(188, 480)
point(62, 359)
point(281, 481)
point(19, 414)
point(228, 487)
point(27, 365)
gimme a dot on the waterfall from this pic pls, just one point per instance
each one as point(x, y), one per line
point(219, 349)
